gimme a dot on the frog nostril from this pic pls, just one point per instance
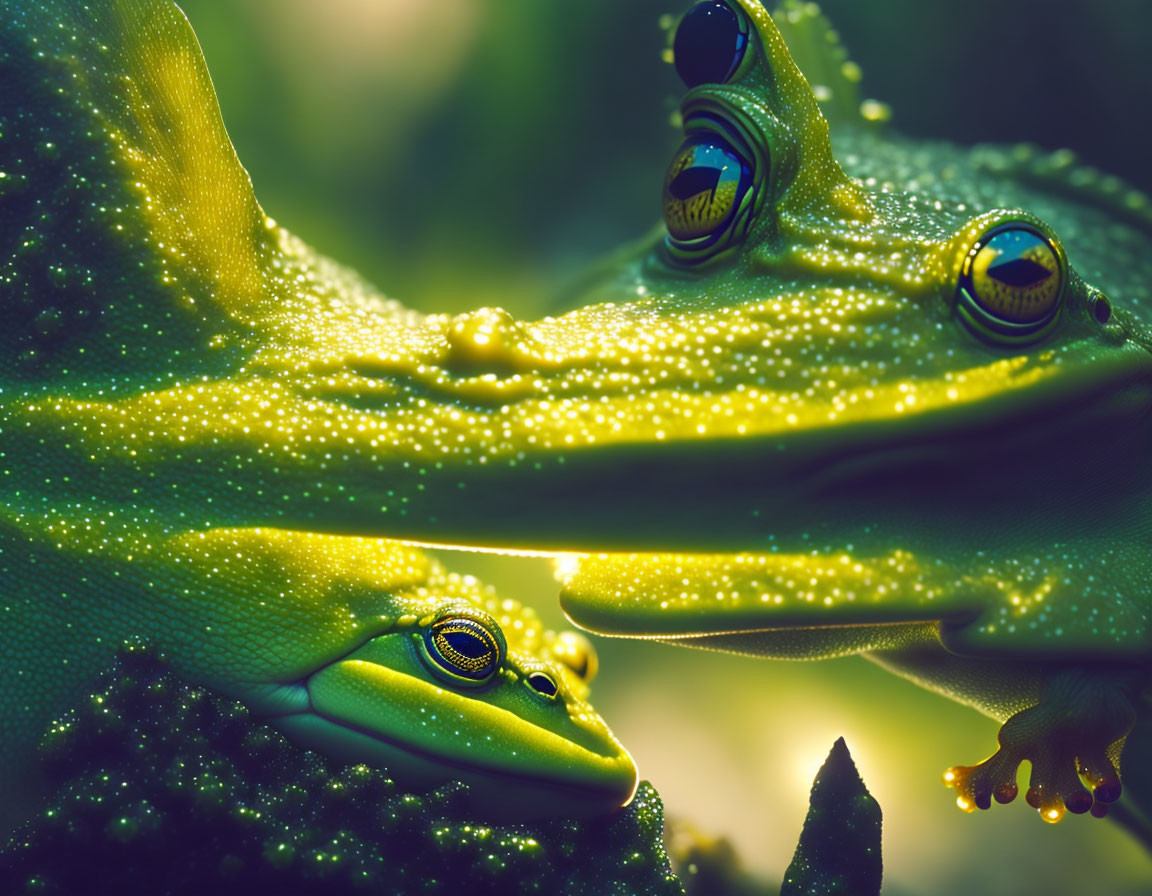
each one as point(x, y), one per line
point(1101, 308)
point(544, 684)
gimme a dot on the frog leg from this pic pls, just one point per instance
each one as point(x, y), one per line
point(1072, 738)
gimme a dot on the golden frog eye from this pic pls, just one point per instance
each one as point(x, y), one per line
point(1011, 285)
point(706, 197)
point(710, 44)
point(463, 646)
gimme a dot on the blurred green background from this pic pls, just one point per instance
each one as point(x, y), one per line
point(470, 152)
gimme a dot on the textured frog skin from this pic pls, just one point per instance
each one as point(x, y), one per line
point(178, 364)
point(968, 511)
point(140, 283)
point(177, 352)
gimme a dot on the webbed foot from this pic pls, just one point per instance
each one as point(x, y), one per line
point(1072, 738)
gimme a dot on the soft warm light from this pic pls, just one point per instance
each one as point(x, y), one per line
point(565, 566)
point(473, 549)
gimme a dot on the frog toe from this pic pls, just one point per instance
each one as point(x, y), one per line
point(1099, 772)
point(1070, 738)
point(1054, 787)
point(977, 785)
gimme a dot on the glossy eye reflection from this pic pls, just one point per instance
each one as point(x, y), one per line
point(710, 44)
point(1011, 284)
point(704, 190)
point(463, 648)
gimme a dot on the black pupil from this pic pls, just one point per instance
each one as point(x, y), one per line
point(691, 181)
point(709, 44)
point(1019, 272)
point(467, 644)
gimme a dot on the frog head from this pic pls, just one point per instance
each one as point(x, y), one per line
point(894, 392)
point(460, 685)
point(806, 355)
point(367, 651)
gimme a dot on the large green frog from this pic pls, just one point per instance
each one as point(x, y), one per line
point(138, 281)
point(914, 382)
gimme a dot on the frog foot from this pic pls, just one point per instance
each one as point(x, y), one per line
point(1072, 738)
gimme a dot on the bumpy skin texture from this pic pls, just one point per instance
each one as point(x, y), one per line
point(969, 512)
point(322, 635)
point(176, 363)
point(162, 787)
point(176, 372)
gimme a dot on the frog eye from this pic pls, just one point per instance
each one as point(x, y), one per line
point(706, 197)
point(710, 44)
point(1011, 284)
point(463, 646)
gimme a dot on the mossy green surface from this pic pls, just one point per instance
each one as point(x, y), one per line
point(160, 787)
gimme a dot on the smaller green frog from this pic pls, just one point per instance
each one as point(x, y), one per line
point(364, 649)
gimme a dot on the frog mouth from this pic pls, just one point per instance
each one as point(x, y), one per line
point(1064, 444)
point(525, 793)
point(363, 712)
point(1051, 448)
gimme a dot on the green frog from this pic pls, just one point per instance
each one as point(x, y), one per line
point(848, 353)
point(140, 280)
point(922, 374)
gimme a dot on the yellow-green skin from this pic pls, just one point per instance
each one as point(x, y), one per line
point(146, 297)
point(973, 516)
point(176, 363)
